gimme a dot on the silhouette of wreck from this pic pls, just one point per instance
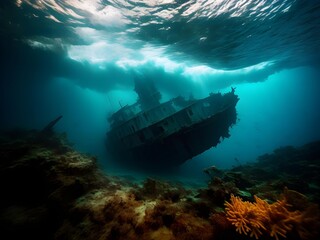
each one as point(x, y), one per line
point(154, 135)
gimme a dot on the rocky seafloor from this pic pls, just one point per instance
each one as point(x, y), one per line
point(51, 191)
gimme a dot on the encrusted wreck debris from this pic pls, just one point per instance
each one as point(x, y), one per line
point(150, 134)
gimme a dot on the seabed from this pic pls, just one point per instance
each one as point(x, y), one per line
point(51, 191)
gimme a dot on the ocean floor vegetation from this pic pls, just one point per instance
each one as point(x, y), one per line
point(50, 191)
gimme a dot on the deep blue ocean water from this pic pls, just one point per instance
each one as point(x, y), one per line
point(79, 59)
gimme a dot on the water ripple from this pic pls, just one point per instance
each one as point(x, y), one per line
point(224, 34)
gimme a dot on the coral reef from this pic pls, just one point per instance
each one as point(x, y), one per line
point(41, 177)
point(277, 219)
point(50, 191)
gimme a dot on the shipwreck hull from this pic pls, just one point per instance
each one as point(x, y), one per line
point(173, 150)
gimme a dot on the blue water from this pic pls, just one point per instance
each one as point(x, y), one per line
point(79, 59)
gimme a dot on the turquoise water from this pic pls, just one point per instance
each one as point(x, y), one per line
point(80, 59)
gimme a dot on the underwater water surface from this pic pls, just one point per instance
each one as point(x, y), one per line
point(82, 59)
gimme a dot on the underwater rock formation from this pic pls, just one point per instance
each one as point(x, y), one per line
point(50, 191)
point(40, 178)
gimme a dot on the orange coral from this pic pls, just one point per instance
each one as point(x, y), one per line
point(245, 216)
point(261, 217)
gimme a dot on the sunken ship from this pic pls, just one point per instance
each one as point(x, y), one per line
point(154, 135)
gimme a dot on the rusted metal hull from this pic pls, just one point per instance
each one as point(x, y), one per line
point(175, 149)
